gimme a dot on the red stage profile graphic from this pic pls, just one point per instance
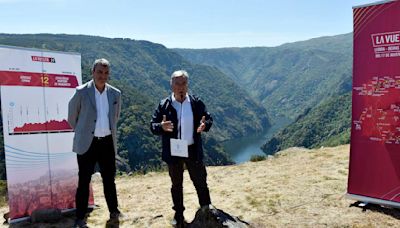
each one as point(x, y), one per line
point(52, 126)
point(29, 119)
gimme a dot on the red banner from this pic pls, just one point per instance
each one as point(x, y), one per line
point(37, 79)
point(375, 135)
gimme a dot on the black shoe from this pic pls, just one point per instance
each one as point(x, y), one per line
point(80, 223)
point(116, 215)
point(179, 221)
point(113, 223)
point(178, 224)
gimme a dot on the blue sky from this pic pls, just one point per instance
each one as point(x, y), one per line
point(184, 23)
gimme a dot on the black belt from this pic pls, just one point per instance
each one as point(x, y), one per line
point(101, 138)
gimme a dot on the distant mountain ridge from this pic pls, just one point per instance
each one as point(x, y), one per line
point(301, 81)
point(142, 70)
point(289, 78)
point(308, 82)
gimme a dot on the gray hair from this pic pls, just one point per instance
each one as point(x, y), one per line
point(179, 73)
point(102, 61)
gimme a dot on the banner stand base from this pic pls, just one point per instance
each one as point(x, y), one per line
point(23, 219)
point(367, 199)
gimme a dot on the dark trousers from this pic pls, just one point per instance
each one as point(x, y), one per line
point(101, 151)
point(198, 175)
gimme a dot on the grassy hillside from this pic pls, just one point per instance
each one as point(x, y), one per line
point(325, 125)
point(295, 188)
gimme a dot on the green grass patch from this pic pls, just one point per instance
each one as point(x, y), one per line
point(256, 158)
point(3, 193)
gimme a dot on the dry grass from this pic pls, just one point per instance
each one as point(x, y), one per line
point(296, 188)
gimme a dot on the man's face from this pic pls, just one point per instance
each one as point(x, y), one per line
point(179, 87)
point(100, 75)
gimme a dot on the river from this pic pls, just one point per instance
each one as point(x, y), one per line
point(241, 149)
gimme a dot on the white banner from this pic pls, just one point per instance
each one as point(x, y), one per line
point(36, 86)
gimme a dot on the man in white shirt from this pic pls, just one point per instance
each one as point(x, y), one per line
point(93, 113)
point(180, 119)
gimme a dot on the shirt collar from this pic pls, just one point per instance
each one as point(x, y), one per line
point(98, 92)
point(186, 98)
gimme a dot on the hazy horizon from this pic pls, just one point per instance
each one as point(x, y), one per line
point(182, 24)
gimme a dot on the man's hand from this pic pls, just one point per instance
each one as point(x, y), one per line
point(167, 125)
point(202, 124)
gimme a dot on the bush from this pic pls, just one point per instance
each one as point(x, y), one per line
point(256, 158)
point(3, 193)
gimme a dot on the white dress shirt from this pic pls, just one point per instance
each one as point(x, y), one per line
point(185, 119)
point(102, 123)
